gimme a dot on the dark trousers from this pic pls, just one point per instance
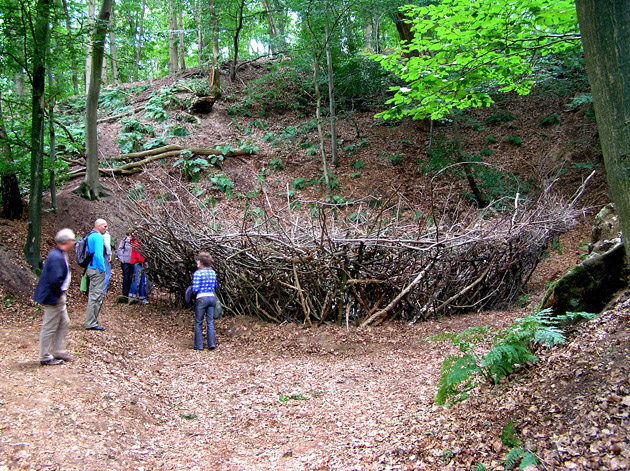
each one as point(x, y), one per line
point(127, 270)
point(204, 307)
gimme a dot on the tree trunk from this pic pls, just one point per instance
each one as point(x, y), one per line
point(40, 37)
point(182, 46)
point(236, 39)
point(334, 152)
point(318, 116)
point(18, 80)
point(215, 76)
point(73, 53)
point(403, 26)
point(468, 171)
point(51, 136)
point(200, 40)
point(173, 61)
point(139, 39)
point(91, 187)
point(112, 50)
point(273, 29)
point(605, 30)
point(214, 21)
point(12, 206)
point(88, 55)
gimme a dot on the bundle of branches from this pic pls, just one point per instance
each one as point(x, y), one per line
point(322, 267)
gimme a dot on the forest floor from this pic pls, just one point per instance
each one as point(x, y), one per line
point(286, 397)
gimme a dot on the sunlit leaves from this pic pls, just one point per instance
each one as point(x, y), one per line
point(462, 50)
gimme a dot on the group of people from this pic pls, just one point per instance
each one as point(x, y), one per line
point(134, 280)
point(55, 278)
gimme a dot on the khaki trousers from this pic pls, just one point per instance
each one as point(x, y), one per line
point(95, 297)
point(54, 330)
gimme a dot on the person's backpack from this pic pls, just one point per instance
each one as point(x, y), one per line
point(81, 253)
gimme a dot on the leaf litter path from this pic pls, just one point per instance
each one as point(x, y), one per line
point(269, 397)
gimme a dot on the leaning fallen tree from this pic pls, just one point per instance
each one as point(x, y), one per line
point(136, 161)
point(324, 268)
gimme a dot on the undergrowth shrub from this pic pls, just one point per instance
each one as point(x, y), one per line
point(280, 90)
point(191, 168)
point(501, 116)
point(497, 184)
point(440, 156)
point(506, 350)
point(133, 134)
point(223, 183)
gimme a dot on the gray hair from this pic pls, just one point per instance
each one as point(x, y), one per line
point(64, 235)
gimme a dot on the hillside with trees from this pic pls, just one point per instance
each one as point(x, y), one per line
point(387, 191)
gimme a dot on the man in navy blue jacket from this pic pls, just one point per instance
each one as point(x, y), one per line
point(51, 293)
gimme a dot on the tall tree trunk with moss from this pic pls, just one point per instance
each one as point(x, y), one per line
point(605, 30)
point(91, 187)
point(40, 36)
point(12, 207)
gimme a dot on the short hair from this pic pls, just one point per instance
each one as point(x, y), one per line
point(64, 235)
point(205, 259)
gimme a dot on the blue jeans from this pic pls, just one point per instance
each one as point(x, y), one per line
point(204, 307)
point(108, 275)
point(139, 282)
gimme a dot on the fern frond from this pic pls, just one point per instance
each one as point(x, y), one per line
point(529, 459)
point(549, 336)
point(500, 361)
point(513, 457)
point(456, 376)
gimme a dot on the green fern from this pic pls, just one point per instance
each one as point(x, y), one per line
point(516, 455)
point(457, 377)
point(529, 459)
point(500, 361)
point(508, 348)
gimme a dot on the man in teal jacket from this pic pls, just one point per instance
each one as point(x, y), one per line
point(96, 274)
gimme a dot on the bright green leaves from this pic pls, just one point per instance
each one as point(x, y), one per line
point(463, 49)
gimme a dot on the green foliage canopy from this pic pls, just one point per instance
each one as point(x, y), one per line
point(463, 49)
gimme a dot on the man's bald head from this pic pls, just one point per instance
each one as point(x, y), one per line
point(100, 225)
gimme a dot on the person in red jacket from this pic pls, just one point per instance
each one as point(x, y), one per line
point(139, 284)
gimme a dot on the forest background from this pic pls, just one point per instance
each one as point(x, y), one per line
point(338, 157)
